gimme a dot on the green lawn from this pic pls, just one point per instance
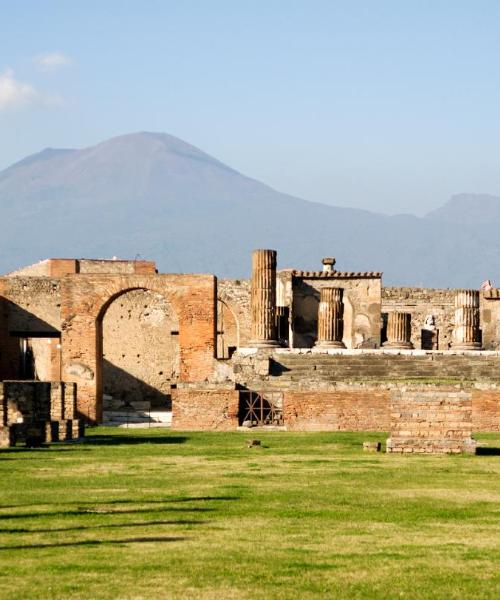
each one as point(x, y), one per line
point(160, 514)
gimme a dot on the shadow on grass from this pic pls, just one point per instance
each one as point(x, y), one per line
point(138, 540)
point(126, 501)
point(98, 511)
point(103, 526)
point(46, 451)
point(484, 451)
point(127, 440)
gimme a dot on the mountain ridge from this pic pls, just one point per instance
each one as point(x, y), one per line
point(158, 196)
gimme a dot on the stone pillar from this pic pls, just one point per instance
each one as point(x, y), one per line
point(330, 318)
point(263, 299)
point(399, 331)
point(466, 332)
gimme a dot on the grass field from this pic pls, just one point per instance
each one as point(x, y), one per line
point(160, 514)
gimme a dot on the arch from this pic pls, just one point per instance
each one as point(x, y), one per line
point(228, 332)
point(138, 358)
point(85, 299)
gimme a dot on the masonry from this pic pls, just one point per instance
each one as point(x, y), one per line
point(121, 331)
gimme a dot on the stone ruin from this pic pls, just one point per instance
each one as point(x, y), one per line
point(323, 350)
point(37, 413)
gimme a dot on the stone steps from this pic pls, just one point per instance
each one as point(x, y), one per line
point(153, 418)
point(334, 368)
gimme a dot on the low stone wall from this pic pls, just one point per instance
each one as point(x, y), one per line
point(38, 412)
point(353, 408)
point(344, 407)
point(431, 420)
point(205, 409)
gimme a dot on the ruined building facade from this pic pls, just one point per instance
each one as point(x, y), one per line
point(303, 350)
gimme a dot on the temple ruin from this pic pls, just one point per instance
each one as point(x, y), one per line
point(300, 350)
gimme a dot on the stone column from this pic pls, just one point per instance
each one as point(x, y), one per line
point(330, 318)
point(466, 333)
point(399, 331)
point(263, 299)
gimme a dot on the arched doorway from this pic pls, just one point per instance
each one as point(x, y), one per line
point(228, 331)
point(138, 344)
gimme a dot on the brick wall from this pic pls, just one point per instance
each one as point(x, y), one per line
point(85, 299)
point(235, 293)
point(485, 408)
point(199, 409)
point(357, 408)
point(431, 420)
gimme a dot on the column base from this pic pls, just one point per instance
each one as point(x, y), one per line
point(263, 344)
point(326, 345)
point(467, 346)
point(398, 346)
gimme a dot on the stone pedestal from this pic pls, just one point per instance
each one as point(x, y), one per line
point(263, 299)
point(399, 331)
point(330, 318)
point(466, 332)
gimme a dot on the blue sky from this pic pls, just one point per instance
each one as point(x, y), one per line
point(385, 105)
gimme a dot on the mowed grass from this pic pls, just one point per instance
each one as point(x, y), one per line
point(161, 514)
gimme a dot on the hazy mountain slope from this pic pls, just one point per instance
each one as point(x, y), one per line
point(159, 197)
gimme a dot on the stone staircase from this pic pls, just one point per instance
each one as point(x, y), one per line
point(135, 414)
point(289, 370)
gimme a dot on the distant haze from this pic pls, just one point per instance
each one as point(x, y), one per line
point(154, 196)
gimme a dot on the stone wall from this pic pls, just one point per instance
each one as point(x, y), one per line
point(235, 294)
point(431, 420)
point(420, 303)
point(361, 309)
point(490, 319)
point(140, 348)
point(29, 306)
point(59, 267)
point(37, 412)
point(350, 389)
point(85, 299)
point(347, 408)
point(205, 409)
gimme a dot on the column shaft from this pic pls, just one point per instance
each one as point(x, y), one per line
point(263, 298)
point(330, 318)
point(466, 332)
point(399, 331)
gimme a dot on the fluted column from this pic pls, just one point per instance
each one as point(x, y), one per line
point(263, 299)
point(330, 318)
point(398, 331)
point(466, 332)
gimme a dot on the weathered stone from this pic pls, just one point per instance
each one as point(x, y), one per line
point(466, 332)
point(398, 331)
point(372, 446)
point(263, 305)
point(330, 318)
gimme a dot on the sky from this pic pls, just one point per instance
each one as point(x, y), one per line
point(389, 106)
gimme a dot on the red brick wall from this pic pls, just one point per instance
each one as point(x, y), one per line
point(59, 267)
point(214, 410)
point(433, 419)
point(357, 409)
point(486, 410)
point(84, 301)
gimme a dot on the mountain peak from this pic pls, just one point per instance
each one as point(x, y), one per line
point(468, 209)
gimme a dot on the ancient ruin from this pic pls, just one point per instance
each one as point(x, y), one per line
point(300, 350)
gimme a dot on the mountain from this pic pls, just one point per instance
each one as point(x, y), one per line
point(155, 196)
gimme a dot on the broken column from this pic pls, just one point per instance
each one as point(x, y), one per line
point(398, 331)
point(466, 332)
point(263, 299)
point(330, 318)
